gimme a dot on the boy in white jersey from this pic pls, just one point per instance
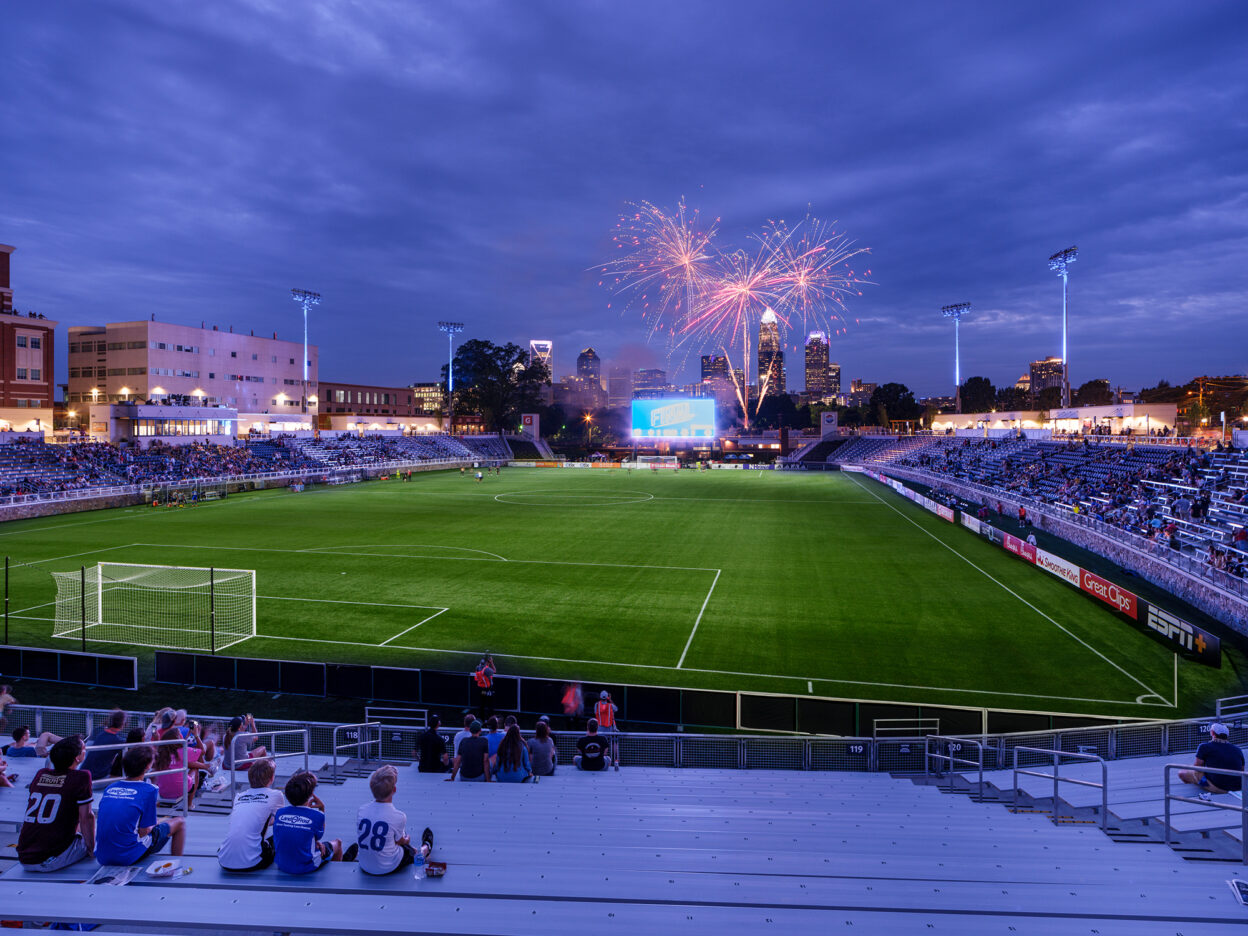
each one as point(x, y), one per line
point(382, 844)
point(245, 847)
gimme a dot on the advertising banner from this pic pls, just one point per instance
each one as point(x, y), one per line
point(970, 522)
point(1192, 640)
point(945, 513)
point(1056, 565)
point(1020, 548)
point(1113, 595)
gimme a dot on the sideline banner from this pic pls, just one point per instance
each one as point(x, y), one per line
point(1191, 639)
point(970, 522)
point(1020, 548)
point(1113, 595)
point(1056, 565)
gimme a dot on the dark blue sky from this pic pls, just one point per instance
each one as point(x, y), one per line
point(418, 161)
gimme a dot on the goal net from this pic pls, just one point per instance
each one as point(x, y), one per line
point(157, 606)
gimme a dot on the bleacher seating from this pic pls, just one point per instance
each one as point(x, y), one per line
point(1184, 500)
point(679, 851)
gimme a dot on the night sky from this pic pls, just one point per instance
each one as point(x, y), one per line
point(421, 161)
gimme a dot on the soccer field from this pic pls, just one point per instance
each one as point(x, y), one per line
point(821, 584)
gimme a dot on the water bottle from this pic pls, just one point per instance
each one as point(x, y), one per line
point(420, 866)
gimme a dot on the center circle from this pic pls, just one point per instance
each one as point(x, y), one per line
point(565, 499)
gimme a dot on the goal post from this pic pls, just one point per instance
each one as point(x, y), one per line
point(180, 607)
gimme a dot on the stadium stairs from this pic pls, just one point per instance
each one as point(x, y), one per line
point(1135, 797)
point(658, 851)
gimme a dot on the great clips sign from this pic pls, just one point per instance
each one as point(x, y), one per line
point(1113, 595)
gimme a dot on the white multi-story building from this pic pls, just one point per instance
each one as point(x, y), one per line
point(160, 361)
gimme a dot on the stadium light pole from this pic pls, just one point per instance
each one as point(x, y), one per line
point(307, 300)
point(955, 312)
point(1058, 264)
point(452, 329)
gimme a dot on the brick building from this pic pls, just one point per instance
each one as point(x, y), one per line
point(27, 345)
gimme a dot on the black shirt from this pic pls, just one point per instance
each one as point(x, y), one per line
point(472, 752)
point(1214, 754)
point(592, 749)
point(431, 746)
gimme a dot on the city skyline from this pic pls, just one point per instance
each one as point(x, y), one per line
point(413, 162)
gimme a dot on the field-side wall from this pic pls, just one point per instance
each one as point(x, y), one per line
point(50, 508)
point(1227, 607)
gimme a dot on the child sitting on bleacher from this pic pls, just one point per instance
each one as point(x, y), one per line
point(298, 828)
point(245, 848)
point(382, 844)
point(126, 828)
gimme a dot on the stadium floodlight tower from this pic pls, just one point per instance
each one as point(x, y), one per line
point(307, 300)
point(1058, 264)
point(452, 329)
point(955, 312)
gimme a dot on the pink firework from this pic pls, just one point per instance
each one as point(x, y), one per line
point(698, 296)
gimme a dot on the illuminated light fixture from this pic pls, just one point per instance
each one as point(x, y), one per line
point(157, 390)
point(1058, 264)
point(955, 312)
point(307, 300)
point(452, 329)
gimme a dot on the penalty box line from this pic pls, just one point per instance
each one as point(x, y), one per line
point(1150, 691)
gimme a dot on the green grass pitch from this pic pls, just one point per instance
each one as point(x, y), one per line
point(820, 584)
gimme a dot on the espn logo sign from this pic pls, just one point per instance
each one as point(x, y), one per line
point(1113, 595)
point(1195, 640)
point(1056, 565)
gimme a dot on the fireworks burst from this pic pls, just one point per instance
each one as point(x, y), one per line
point(695, 296)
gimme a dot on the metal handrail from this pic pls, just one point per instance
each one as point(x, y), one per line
point(1055, 776)
point(1231, 705)
point(357, 743)
point(272, 755)
point(1241, 809)
point(184, 770)
point(928, 754)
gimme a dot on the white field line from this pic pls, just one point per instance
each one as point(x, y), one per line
point(369, 604)
point(320, 551)
point(1151, 692)
point(414, 626)
point(701, 611)
point(334, 549)
point(810, 679)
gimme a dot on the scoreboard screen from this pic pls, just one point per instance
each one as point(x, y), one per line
point(677, 418)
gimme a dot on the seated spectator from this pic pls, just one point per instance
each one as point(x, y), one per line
point(472, 763)
point(460, 735)
point(543, 755)
point(59, 828)
point(236, 745)
point(593, 750)
point(299, 827)
point(162, 721)
point(383, 845)
point(170, 757)
point(192, 731)
point(1216, 752)
point(245, 847)
point(493, 736)
point(431, 749)
point(127, 829)
point(513, 758)
point(100, 763)
point(22, 745)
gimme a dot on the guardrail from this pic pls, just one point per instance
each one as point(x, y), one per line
point(358, 743)
point(954, 746)
point(1103, 786)
point(1231, 705)
point(1240, 808)
point(184, 743)
point(306, 733)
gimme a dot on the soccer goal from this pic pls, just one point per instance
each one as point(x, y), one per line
point(157, 605)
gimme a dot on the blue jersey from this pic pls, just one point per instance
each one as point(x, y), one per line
point(125, 807)
point(296, 830)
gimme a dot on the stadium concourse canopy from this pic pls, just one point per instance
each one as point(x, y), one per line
point(1139, 418)
point(141, 424)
